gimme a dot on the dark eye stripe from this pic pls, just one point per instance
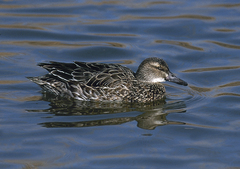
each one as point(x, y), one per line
point(160, 68)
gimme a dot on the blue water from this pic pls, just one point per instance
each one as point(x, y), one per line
point(196, 127)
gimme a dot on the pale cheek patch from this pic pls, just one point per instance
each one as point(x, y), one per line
point(158, 80)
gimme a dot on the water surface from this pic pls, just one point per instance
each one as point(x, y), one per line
point(196, 127)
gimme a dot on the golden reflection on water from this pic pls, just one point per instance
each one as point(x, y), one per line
point(14, 6)
point(34, 26)
point(225, 45)
point(209, 89)
point(21, 27)
point(125, 3)
point(102, 3)
point(199, 17)
point(12, 96)
point(134, 17)
point(36, 15)
point(30, 98)
point(113, 34)
point(227, 94)
point(178, 43)
point(115, 44)
point(132, 4)
point(201, 89)
point(231, 84)
point(11, 81)
point(60, 44)
point(225, 5)
point(211, 69)
point(35, 164)
point(7, 54)
point(218, 88)
point(148, 4)
point(225, 30)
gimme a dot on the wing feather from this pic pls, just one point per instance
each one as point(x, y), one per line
point(90, 74)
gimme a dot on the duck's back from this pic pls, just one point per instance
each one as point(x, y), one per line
point(87, 81)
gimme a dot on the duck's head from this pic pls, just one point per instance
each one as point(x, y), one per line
point(156, 70)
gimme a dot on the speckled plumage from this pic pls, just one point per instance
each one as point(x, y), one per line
point(105, 82)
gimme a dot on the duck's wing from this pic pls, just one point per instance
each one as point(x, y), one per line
point(90, 74)
point(61, 71)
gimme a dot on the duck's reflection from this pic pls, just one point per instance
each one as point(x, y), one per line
point(148, 115)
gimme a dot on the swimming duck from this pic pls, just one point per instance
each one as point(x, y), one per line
point(107, 82)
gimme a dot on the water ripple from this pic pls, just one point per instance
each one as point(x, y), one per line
point(66, 45)
point(211, 69)
point(7, 54)
point(190, 16)
point(178, 43)
point(225, 45)
point(232, 5)
point(225, 30)
point(134, 17)
point(113, 34)
point(37, 15)
point(188, 95)
point(230, 84)
point(227, 94)
point(18, 26)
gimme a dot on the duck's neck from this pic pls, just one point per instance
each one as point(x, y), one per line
point(142, 75)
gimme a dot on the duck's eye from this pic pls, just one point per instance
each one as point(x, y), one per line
point(160, 68)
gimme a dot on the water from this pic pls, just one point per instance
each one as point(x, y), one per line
point(197, 127)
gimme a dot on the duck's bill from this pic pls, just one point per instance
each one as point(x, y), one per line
point(172, 78)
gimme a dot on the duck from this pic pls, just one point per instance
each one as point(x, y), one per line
point(87, 81)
